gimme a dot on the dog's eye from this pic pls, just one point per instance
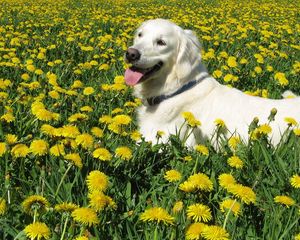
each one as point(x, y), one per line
point(140, 34)
point(161, 42)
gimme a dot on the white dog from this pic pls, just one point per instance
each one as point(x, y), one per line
point(168, 75)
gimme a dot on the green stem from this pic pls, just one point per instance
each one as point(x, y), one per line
point(227, 215)
point(155, 233)
point(62, 180)
point(65, 227)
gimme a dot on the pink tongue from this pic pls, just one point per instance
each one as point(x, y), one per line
point(132, 77)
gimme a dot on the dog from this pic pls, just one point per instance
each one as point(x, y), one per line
point(168, 75)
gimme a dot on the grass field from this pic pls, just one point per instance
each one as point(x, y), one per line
point(70, 165)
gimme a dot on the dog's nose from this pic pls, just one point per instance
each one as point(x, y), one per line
point(132, 54)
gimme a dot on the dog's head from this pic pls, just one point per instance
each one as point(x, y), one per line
point(161, 50)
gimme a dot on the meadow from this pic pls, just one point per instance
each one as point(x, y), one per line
point(73, 164)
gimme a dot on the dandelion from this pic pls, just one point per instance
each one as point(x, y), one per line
point(291, 121)
point(85, 140)
point(187, 186)
point(77, 117)
point(97, 181)
point(75, 159)
point(106, 119)
point(69, 131)
point(57, 150)
point(246, 194)
point(188, 158)
point(65, 207)
point(172, 175)
point(97, 132)
point(37, 230)
point(122, 119)
point(296, 131)
point(2, 148)
point(231, 205)
point(39, 147)
point(217, 74)
point(178, 206)
point(20, 150)
point(85, 216)
point(124, 153)
point(135, 135)
point(199, 212)
point(233, 142)
point(2, 206)
point(201, 182)
point(82, 238)
point(226, 180)
point(295, 181)
point(215, 233)
point(194, 231)
point(98, 200)
point(285, 200)
point(157, 214)
point(35, 201)
point(231, 62)
point(11, 139)
point(281, 78)
point(190, 119)
point(88, 91)
point(297, 237)
point(220, 123)
point(102, 154)
point(202, 150)
point(235, 162)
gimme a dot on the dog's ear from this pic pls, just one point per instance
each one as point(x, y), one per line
point(188, 53)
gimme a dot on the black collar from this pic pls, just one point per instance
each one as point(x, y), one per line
point(158, 99)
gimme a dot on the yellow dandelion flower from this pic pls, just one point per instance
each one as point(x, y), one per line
point(106, 119)
point(2, 206)
point(220, 123)
point(65, 207)
point(264, 129)
point(37, 230)
point(97, 181)
point(20, 150)
point(226, 180)
point(215, 233)
point(48, 129)
point(77, 117)
point(102, 154)
point(74, 158)
point(199, 212)
point(233, 142)
point(35, 201)
point(97, 200)
point(86, 109)
point(88, 91)
point(296, 131)
point(291, 121)
point(202, 150)
point(190, 119)
point(297, 237)
point(194, 231)
point(39, 147)
point(178, 206)
point(285, 200)
point(200, 181)
point(157, 214)
point(231, 62)
point(135, 136)
point(8, 117)
point(98, 132)
point(122, 119)
point(235, 162)
point(57, 150)
point(2, 148)
point(172, 175)
point(69, 131)
point(11, 139)
point(246, 194)
point(217, 74)
point(124, 153)
point(188, 158)
point(187, 186)
point(82, 238)
point(281, 78)
point(85, 216)
point(230, 205)
point(85, 140)
point(295, 181)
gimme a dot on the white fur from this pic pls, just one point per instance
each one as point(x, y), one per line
point(208, 100)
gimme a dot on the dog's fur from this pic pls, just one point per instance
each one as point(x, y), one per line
point(208, 100)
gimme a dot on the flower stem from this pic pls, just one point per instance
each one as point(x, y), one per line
point(62, 179)
point(227, 215)
point(65, 227)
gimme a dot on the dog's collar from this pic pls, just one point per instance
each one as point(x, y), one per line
point(158, 99)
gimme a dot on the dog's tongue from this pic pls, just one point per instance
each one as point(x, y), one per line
point(132, 77)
